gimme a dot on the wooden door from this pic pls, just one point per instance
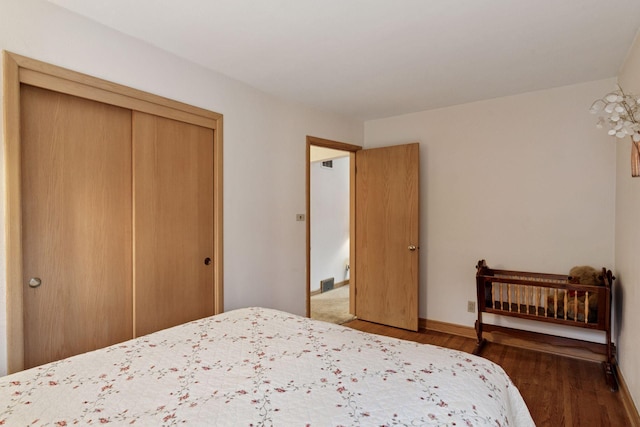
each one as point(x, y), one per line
point(387, 233)
point(76, 224)
point(173, 222)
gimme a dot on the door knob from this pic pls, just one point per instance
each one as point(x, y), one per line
point(412, 248)
point(207, 261)
point(34, 282)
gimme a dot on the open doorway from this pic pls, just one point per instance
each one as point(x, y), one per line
point(383, 261)
point(330, 284)
point(329, 221)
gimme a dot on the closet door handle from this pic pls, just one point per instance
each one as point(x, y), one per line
point(412, 248)
point(207, 261)
point(34, 282)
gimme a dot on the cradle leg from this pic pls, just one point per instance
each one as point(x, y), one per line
point(479, 347)
point(609, 366)
point(610, 375)
point(481, 341)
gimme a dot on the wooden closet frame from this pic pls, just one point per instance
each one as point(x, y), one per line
point(17, 70)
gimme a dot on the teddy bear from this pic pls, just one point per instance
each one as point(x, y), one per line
point(584, 275)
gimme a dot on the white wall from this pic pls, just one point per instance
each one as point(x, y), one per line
point(329, 222)
point(526, 182)
point(264, 146)
point(627, 248)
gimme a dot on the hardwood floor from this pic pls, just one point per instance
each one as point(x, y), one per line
point(559, 391)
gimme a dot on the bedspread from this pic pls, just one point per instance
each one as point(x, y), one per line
point(262, 367)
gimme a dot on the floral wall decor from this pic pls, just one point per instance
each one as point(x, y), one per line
point(620, 112)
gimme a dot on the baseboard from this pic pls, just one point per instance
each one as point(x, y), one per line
point(449, 328)
point(469, 332)
point(627, 401)
point(340, 284)
point(335, 285)
point(505, 339)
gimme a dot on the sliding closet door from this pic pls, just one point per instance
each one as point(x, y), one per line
point(76, 224)
point(173, 222)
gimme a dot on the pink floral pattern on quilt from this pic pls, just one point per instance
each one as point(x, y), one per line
point(262, 367)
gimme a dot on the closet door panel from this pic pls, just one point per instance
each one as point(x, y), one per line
point(173, 222)
point(76, 213)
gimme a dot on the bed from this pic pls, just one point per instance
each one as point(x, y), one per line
point(260, 367)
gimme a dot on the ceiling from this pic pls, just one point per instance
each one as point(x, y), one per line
point(318, 153)
point(377, 58)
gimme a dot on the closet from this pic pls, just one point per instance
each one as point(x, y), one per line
point(173, 222)
point(76, 218)
point(113, 210)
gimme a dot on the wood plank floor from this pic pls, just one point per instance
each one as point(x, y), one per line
point(559, 391)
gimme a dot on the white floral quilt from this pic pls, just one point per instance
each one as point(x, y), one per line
point(262, 367)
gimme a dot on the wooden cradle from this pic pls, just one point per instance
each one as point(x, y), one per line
point(552, 298)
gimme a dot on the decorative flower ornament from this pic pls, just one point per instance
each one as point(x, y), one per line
point(620, 112)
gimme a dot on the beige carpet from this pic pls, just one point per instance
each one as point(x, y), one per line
point(332, 306)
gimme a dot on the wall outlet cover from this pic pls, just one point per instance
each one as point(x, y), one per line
point(471, 306)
